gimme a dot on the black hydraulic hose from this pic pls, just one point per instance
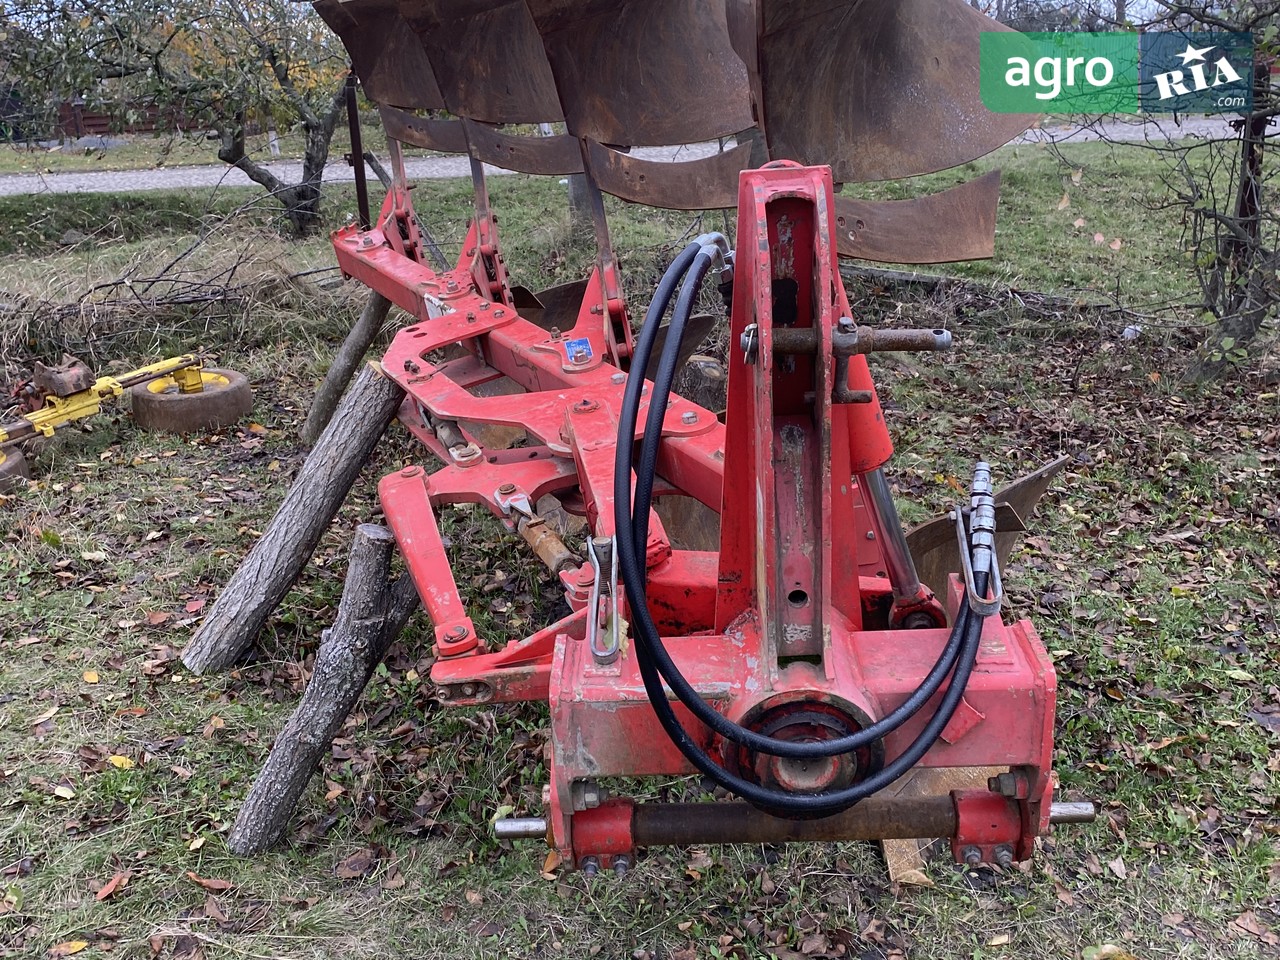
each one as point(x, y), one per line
point(632, 560)
point(822, 804)
point(660, 394)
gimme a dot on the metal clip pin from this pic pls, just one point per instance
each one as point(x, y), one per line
point(609, 630)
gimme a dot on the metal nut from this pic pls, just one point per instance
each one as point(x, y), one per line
point(972, 855)
point(1005, 784)
point(689, 416)
point(587, 795)
point(589, 866)
point(1004, 855)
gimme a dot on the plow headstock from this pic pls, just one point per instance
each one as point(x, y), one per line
point(804, 665)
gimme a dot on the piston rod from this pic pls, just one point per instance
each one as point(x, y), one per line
point(888, 528)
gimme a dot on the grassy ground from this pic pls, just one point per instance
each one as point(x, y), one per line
point(169, 149)
point(1152, 572)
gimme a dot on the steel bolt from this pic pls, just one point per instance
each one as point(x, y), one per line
point(499, 313)
point(847, 325)
point(689, 417)
point(871, 534)
point(468, 689)
point(484, 305)
point(972, 856)
point(580, 357)
point(443, 693)
point(589, 866)
point(618, 378)
point(1004, 855)
point(507, 489)
point(621, 864)
point(458, 632)
point(471, 316)
point(596, 308)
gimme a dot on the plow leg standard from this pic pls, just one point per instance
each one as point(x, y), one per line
point(807, 626)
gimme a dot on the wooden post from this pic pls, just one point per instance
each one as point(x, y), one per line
point(349, 355)
point(372, 613)
point(265, 575)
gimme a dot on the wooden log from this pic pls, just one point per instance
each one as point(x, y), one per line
point(265, 575)
point(344, 365)
point(372, 613)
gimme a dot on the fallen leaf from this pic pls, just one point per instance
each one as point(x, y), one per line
point(1117, 867)
point(1116, 244)
point(158, 618)
point(196, 844)
point(213, 910)
point(90, 676)
point(1065, 201)
point(68, 948)
point(1077, 176)
point(214, 886)
point(120, 762)
point(63, 791)
point(1099, 239)
point(195, 606)
point(999, 940)
point(1270, 721)
point(215, 724)
point(914, 878)
point(114, 885)
point(1248, 923)
point(1106, 951)
point(94, 556)
point(1079, 222)
point(549, 865)
point(357, 865)
point(41, 718)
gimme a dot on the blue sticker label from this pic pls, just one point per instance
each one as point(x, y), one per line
point(574, 349)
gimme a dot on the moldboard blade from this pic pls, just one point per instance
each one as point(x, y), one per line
point(878, 89)
point(957, 224)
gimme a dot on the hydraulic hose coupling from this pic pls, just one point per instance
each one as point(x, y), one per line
point(717, 245)
point(982, 519)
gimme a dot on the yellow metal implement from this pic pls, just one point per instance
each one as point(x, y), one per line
point(59, 411)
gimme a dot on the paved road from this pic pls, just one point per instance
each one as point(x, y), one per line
point(437, 168)
point(214, 175)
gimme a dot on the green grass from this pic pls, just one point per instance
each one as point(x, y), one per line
point(1151, 572)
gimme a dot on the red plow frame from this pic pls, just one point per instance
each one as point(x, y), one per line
point(802, 617)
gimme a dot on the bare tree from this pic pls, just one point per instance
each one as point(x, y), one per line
point(216, 65)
